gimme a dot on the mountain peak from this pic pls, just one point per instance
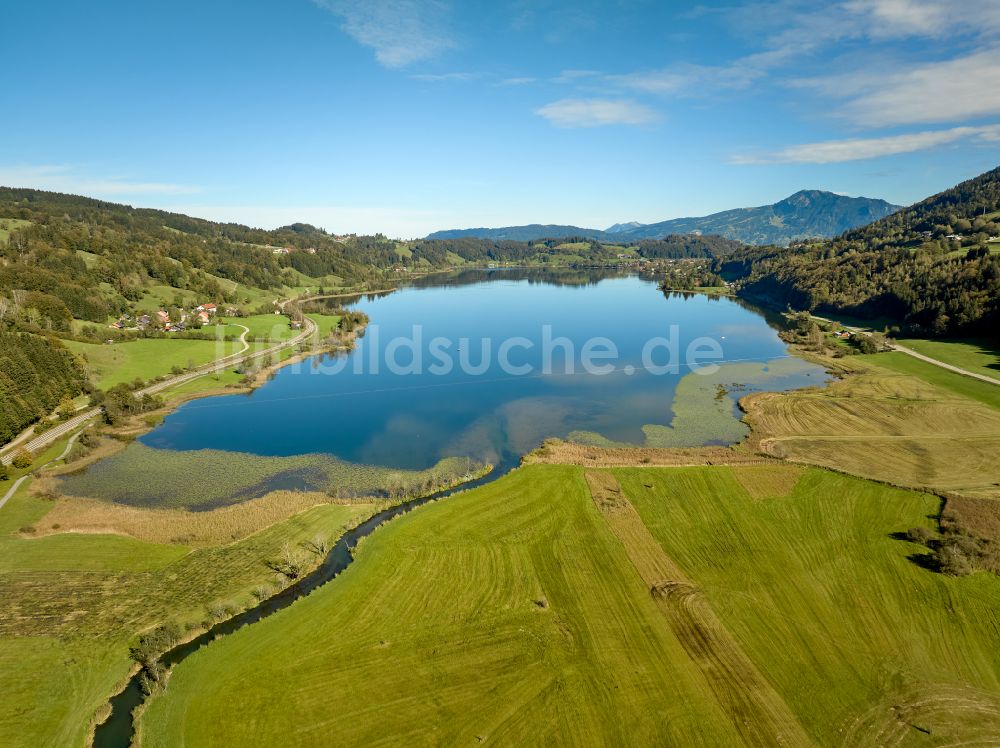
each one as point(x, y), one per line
point(807, 214)
point(619, 227)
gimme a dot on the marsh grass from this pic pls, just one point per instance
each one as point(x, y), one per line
point(158, 478)
point(704, 407)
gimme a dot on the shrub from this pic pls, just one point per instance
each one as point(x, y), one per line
point(23, 459)
point(957, 554)
point(919, 535)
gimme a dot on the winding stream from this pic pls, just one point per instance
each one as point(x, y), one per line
point(118, 729)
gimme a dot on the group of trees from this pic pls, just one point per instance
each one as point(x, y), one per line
point(688, 275)
point(903, 267)
point(36, 373)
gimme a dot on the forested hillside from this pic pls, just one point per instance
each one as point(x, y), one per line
point(931, 267)
point(35, 374)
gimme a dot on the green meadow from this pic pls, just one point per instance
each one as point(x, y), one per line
point(72, 604)
point(978, 356)
point(147, 358)
point(668, 606)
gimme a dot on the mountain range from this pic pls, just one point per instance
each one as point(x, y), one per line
point(805, 215)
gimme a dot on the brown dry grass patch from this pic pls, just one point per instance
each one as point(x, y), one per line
point(558, 452)
point(219, 526)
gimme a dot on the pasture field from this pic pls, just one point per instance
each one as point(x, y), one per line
point(147, 358)
point(273, 327)
point(892, 418)
point(73, 603)
point(11, 224)
point(956, 384)
point(638, 605)
point(978, 356)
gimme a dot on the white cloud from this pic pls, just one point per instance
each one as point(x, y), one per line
point(401, 32)
point(857, 149)
point(927, 18)
point(64, 178)
point(597, 113)
point(960, 89)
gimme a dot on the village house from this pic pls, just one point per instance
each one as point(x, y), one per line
point(162, 317)
point(208, 308)
point(204, 318)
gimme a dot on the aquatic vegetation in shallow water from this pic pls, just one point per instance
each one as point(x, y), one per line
point(701, 416)
point(208, 478)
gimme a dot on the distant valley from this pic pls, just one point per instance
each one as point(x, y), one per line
point(806, 214)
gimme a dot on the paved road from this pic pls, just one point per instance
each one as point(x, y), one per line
point(943, 365)
point(921, 356)
point(43, 440)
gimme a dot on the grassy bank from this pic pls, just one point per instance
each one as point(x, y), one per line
point(73, 603)
point(521, 612)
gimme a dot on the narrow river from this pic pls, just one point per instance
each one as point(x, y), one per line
point(118, 729)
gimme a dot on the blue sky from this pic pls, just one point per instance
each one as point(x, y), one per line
point(406, 116)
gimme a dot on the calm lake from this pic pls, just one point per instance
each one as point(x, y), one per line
point(391, 402)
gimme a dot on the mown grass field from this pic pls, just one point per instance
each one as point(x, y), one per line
point(978, 356)
point(956, 384)
point(682, 610)
point(273, 327)
point(71, 604)
point(892, 418)
point(148, 358)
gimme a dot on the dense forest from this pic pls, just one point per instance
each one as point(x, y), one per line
point(930, 268)
point(35, 374)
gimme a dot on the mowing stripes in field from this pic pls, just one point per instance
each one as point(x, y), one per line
point(757, 711)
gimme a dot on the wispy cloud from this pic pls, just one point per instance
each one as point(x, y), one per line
point(446, 77)
point(791, 30)
point(689, 79)
point(520, 81)
point(597, 113)
point(927, 18)
point(960, 89)
point(401, 32)
point(858, 149)
point(575, 76)
point(67, 178)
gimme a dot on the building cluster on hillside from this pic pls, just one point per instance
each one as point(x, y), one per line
point(161, 319)
point(289, 250)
